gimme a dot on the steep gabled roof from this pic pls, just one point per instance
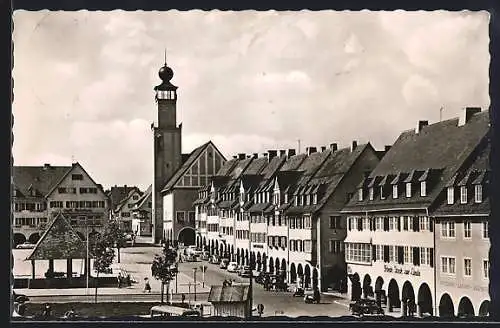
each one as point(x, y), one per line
point(293, 162)
point(228, 294)
point(41, 178)
point(117, 194)
point(311, 165)
point(58, 242)
point(126, 199)
point(193, 156)
point(227, 168)
point(68, 172)
point(256, 166)
point(273, 166)
point(478, 171)
point(442, 147)
point(145, 196)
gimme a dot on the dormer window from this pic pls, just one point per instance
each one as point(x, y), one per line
point(478, 193)
point(408, 190)
point(286, 198)
point(423, 188)
point(463, 195)
point(360, 194)
point(395, 191)
point(315, 199)
point(382, 196)
point(451, 195)
point(308, 200)
point(296, 200)
point(301, 200)
point(267, 197)
point(370, 193)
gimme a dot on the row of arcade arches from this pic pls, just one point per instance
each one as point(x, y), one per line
point(304, 273)
point(420, 299)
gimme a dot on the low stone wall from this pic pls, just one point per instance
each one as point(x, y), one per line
point(80, 282)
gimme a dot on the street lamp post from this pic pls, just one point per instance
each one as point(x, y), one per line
point(194, 279)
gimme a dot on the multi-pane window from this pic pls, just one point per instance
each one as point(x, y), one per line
point(335, 246)
point(486, 226)
point(425, 256)
point(395, 191)
point(467, 229)
point(451, 195)
point(478, 193)
point(408, 254)
point(423, 188)
point(179, 215)
point(357, 252)
point(463, 195)
point(408, 190)
point(425, 223)
point(406, 222)
point(392, 252)
point(366, 224)
point(379, 223)
point(379, 252)
point(381, 190)
point(334, 222)
point(307, 246)
point(315, 199)
point(360, 194)
point(393, 223)
point(467, 267)
point(370, 193)
point(307, 222)
point(448, 229)
point(448, 265)
point(486, 269)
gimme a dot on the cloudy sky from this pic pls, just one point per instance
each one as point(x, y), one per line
point(248, 81)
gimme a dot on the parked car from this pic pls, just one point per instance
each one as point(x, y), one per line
point(224, 263)
point(232, 267)
point(365, 307)
point(205, 256)
point(191, 258)
point(192, 250)
point(25, 245)
point(214, 259)
point(245, 272)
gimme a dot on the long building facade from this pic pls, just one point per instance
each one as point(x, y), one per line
point(40, 192)
point(394, 249)
point(281, 211)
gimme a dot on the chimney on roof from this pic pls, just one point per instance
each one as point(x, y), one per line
point(467, 114)
point(235, 157)
point(333, 147)
point(323, 148)
point(420, 126)
point(282, 152)
point(290, 153)
point(265, 155)
point(272, 154)
point(387, 148)
point(310, 150)
point(46, 166)
point(354, 145)
point(241, 156)
point(255, 155)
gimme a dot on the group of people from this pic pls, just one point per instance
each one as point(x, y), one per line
point(124, 280)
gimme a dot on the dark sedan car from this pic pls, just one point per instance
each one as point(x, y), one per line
point(365, 307)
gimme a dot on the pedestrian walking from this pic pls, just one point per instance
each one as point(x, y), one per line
point(128, 280)
point(183, 298)
point(119, 278)
point(147, 286)
point(47, 311)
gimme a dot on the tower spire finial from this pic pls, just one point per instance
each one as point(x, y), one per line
point(165, 53)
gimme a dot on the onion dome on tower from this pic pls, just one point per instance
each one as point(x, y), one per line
point(166, 90)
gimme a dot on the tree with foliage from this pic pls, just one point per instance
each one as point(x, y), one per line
point(103, 255)
point(116, 236)
point(164, 268)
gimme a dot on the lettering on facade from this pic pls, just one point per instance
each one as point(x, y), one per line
point(412, 271)
point(465, 286)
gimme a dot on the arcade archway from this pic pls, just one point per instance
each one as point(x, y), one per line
point(393, 295)
point(315, 278)
point(293, 273)
point(18, 239)
point(277, 266)
point(446, 308)
point(424, 300)
point(465, 308)
point(34, 238)
point(367, 288)
point(307, 276)
point(409, 298)
point(484, 309)
point(271, 265)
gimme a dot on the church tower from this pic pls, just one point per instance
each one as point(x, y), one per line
point(167, 153)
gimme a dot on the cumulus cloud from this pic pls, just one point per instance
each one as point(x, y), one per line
point(249, 81)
